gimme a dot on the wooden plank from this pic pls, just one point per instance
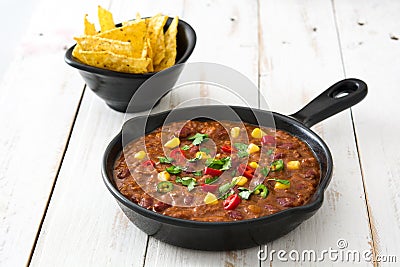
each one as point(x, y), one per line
point(227, 34)
point(39, 95)
point(84, 225)
point(365, 29)
point(300, 57)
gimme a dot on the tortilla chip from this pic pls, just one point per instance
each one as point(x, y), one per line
point(170, 46)
point(134, 32)
point(150, 68)
point(105, 19)
point(156, 34)
point(111, 61)
point(76, 53)
point(90, 29)
point(95, 43)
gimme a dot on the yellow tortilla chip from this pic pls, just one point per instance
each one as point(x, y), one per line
point(111, 61)
point(150, 68)
point(170, 46)
point(95, 43)
point(156, 34)
point(134, 32)
point(105, 19)
point(90, 29)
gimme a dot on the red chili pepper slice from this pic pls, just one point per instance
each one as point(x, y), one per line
point(209, 187)
point(148, 163)
point(268, 140)
point(177, 155)
point(231, 202)
point(228, 149)
point(246, 171)
point(212, 172)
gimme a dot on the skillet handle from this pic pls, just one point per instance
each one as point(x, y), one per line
point(338, 97)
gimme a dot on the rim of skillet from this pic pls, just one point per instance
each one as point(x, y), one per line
point(72, 61)
point(309, 207)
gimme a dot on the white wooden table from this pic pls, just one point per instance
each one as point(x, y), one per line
point(54, 208)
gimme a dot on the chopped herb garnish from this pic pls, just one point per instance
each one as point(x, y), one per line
point(244, 192)
point(198, 138)
point(211, 180)
point(242, 150)
point(225, 187)
point(227, 194)
point(285, 182)
point(219, 164)
point(265, 171)
point(242, 154)
point(165, 159)
point(190, 182)
point(240, 146)
point(270, 151)
point(205, 150)
point(174, 169)
point(185, 147)
point(198, 173)
point(198, 157)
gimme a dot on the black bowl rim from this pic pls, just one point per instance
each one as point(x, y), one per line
point(308, 208)
point(70, 60)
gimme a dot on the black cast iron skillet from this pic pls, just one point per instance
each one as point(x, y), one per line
point(246, 233)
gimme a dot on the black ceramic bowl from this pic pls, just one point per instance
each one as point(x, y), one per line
point(246, 233)
point(117, 88)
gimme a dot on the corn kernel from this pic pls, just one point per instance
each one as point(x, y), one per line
point(293, 165)
point(202, 155)
point(235, 132)
point(257, 133)
point(163, 176)
point(240, 180)
point(140, 155)
point(210, 199)
point(279, 185)
point(174, 142)
point(253, 164)
point(252, 148)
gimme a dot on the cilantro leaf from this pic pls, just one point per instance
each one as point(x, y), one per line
point(265, 171)
point(198, 173)
point(285, 182)
point(185, 147)
point(198, 138)
point(174, 169)
point(205, 150)
point(190, 182)
point(245, 194)
point(270, 151)
point(211, 180)
point(219, 164)
point(242, 149)
point(240, 146)
point(165, 159)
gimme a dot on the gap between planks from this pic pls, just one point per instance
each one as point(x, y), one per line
point(56, 177)
point(374, 247)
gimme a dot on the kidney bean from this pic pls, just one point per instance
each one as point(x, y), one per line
point(235, 214)
point(188, 199)
point(146, 202)
point(279, 156)
point(122, 173)
point(184, 132)
point(161, 206)
point(287, 145)
point(311, 174)
point(286, 201)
